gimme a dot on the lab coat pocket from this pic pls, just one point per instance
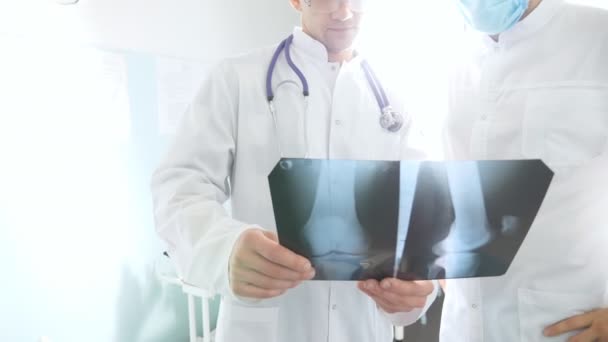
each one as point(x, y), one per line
point(248, 323)
point(565, 126)
point(539, 309)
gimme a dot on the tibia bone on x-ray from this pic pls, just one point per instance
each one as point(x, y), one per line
point(470, 228)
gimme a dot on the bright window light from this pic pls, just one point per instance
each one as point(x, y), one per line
point(409, 44)
point(64, 133)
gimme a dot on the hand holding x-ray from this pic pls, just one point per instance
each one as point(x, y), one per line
point(261, 268)
point(396, 295)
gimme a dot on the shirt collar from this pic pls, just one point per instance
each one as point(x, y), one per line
point(307, 45)
point(535, 21)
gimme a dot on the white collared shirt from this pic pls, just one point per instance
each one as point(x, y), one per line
point(541, 91)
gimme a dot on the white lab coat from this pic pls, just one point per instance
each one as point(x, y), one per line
point(540, 92)
point(226, 147)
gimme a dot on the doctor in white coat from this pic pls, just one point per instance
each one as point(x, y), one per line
point(228, 143)
point(537, 87)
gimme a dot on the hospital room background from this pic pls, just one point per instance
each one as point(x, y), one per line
point(90, 94)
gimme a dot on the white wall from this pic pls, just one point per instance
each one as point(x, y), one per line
point(201, 29)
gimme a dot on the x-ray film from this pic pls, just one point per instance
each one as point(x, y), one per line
point(356, 219)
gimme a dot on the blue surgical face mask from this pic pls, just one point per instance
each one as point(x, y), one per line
point(492, 16)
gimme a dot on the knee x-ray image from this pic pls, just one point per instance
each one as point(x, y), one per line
point(357, 219)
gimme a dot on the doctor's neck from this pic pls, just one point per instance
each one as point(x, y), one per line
point(337, 50)
point(340, 56)
point(533, 4)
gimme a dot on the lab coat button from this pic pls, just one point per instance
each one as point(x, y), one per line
point(334, 307)
point(338, 122)
point(474, 306)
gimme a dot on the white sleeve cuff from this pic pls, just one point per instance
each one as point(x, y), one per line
point(208, 266)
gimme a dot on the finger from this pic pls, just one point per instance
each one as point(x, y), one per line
point(280, 255)
point(407, 288)
point(270, 269)
point(262, 281)
point(586, 336)
point(569, 324)
point(370, 285)
point(390, 307)
point(400, 300)
point(367, 287)
point(386, 305)
point(600, 327)
point(361, 287)
point(271, 235)
point(252, 291)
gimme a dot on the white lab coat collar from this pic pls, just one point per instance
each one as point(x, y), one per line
point(536, 20)
point(308, 46)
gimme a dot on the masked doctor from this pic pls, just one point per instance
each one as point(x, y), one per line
point(311, 96)
point(533, 83)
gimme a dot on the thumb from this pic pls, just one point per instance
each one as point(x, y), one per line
point(271, 235)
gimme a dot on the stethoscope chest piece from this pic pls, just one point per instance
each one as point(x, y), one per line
point(391, 120)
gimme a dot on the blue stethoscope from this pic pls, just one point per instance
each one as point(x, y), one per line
point(390, 120)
